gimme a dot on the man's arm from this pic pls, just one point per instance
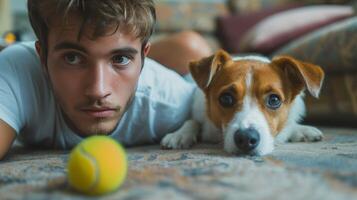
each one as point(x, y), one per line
point(7, 137)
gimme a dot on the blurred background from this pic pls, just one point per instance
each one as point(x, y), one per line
point(14, 21)
point(323, 32)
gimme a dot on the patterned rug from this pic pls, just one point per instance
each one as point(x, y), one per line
point(324, 170)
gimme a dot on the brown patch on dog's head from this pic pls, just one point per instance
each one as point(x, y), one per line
point(204, 70)
point(212, 76)
point(299, 75)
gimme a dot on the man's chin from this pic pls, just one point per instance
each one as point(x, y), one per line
point(85, 126)
point(97, 129)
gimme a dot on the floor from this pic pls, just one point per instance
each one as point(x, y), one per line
point(323, 170)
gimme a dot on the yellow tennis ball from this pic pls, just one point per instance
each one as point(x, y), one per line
point(97, 165)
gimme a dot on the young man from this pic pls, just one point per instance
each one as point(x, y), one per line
point(87, 74)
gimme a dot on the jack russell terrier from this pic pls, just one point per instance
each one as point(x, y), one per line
point(248, 103)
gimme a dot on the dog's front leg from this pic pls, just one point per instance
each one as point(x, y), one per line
point(300, 133)
point(303, 133)
point(183, 138)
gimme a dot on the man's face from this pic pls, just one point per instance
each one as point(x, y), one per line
point(93, 80)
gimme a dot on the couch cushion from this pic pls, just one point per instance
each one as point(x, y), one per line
point(239, 6)
point(231, 28)
point(283, 27)
point(337, 104)
point(333, 48)
point(243, 6)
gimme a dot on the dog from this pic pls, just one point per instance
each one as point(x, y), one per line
point(248, 103)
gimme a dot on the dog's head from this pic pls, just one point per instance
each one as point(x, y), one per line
point(249, 99)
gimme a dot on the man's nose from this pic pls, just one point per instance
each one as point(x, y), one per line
point(98, 85)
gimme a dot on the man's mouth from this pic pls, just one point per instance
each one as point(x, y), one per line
point(100, 112)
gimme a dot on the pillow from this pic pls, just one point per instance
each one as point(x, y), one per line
point(334, 48)
point(231, 28)
point(239, 6)
point(279, 29)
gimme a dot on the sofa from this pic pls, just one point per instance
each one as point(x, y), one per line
point(323, 32)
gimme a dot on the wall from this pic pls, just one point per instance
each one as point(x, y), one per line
point(5, 16)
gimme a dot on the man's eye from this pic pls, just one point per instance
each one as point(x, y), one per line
point(73, 59)
point(121, 60)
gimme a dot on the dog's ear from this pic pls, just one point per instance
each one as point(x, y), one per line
point(203, 70)
point(300, 74)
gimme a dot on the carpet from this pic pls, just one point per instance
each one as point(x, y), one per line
point(323, 170)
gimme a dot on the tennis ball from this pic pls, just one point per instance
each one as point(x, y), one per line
point(97, 165)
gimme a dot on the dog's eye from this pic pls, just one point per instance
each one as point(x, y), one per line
point(273, 101)
point(227, 100)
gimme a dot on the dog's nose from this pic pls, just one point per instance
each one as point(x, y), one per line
point(247, 139)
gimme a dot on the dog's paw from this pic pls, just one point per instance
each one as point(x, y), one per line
point(303, 133)
point(178, 140)
point(183, 138)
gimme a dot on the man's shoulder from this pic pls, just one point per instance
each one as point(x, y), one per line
point(21, 48)
point(163, 84)
point(156, 75)
point(20, 61)
point(23, 88)
point(21, 56)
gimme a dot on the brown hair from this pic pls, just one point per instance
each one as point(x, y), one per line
point(137, 16)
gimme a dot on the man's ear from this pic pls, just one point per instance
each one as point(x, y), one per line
point(203, 70)
point(38, 48)
point(40, 53)
point(43, 58)
point(147, 48)
point(301, 74)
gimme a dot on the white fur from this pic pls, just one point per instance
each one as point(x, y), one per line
point(210, 133)
point(183, 138)
point(293, 131)
point(251, 57)
point(249, 117)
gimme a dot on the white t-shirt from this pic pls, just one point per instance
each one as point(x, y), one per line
point(162, 103)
